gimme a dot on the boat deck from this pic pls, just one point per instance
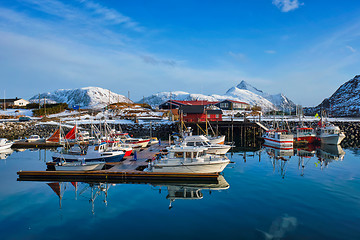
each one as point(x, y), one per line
point(129, 170)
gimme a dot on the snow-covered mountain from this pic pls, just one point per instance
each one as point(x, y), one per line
point(159, 98)
point(279, 100)
point(87, 97)
point(344, 102)
point(243, 92)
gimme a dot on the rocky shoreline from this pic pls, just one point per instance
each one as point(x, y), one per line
point(16, 130)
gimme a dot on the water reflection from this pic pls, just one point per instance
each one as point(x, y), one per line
point(325, 154)
point(191, 191)
point(95, 189)
point(279, 158)
point(5, 153)
point(328, 153)
point(175, 191)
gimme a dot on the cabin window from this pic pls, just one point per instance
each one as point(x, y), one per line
point(190, 144)
point(198, 144)
point(179, 154)
point(208, 116)
point(217, 115)
point(185, 114)
point(188, 154)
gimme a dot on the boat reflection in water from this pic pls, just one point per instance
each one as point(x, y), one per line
point(5, 153)
point(305, 154)
point(279, 158)
point(191, 191)
point(180, 190)
point(95, 189)
point(328, 153)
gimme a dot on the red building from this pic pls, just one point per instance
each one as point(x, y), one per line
point(200, 113)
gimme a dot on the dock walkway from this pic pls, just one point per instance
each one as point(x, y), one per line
point(124, 171)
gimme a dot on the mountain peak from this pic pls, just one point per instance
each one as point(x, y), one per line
point(246, 86)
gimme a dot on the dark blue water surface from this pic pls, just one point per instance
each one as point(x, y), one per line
point(263, 195)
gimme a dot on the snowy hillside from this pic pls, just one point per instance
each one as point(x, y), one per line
point(87, 97)
point(344, 102)
point(243, 92)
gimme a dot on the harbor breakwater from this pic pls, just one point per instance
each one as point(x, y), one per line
point(21, 130)
point(18, 130)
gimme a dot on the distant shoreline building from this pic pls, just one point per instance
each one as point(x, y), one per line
point(13, 102)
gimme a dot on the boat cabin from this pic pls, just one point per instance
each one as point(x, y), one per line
point(330, 130)
point(186, 152)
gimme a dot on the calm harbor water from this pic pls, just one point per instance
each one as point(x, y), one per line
point(314, 194)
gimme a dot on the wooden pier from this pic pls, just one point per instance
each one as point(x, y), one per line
point(129, 170)
point(38, 144)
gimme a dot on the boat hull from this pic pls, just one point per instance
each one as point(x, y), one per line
point(6, 146)
point(214, 167)
point(58, 157)
point(333, 139)
point(79, 167)
point(284, 144)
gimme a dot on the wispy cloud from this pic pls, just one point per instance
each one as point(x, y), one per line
point(351, 48)
point(270, 51)
point(287, 5)
point(155, 61)
point(237, 56)
point(111, 15)
point(86, 13)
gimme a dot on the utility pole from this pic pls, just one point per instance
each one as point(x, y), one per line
point(4, 102)
point(45, 106)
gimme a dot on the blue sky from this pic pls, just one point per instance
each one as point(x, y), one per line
point(304, 49)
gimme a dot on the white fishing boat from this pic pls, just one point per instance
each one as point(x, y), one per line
point(279, 139)
point(79, 166)
point(98, 152)
point(5, 143)
point(328, 133)
point(185, 159)
point(202, 141)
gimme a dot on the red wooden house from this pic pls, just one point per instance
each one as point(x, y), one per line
point(200, 113)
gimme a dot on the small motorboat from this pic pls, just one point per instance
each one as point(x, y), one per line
point(34, 138)
point(79, 166)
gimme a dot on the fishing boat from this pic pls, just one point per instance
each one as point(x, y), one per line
point(279, 139)
point(186, 159)
point(97, 152)
point(202, 141)
point(328, 133)
point(306, 134)
point(5, 143)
